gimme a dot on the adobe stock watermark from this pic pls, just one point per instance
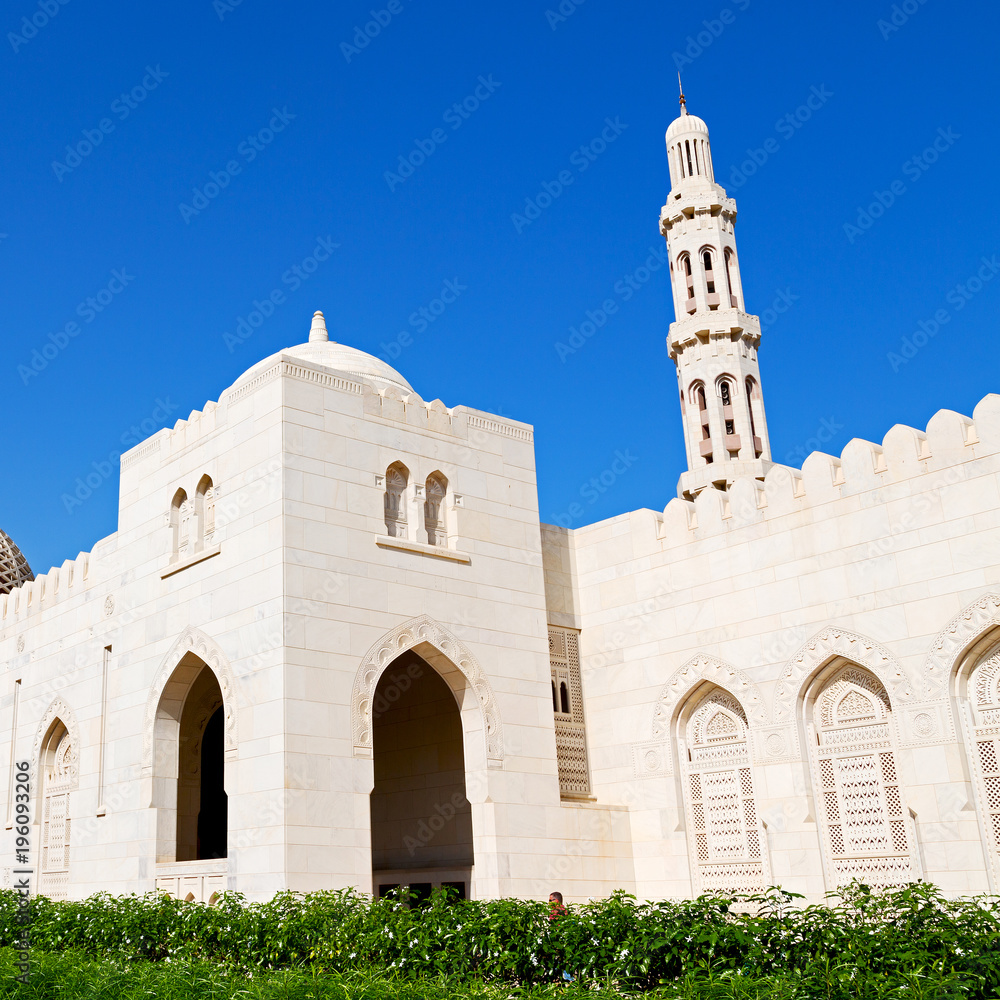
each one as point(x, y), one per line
point(121, 107)
point(899, 14)
point(47, 9)
point(103, 469)
point(565, 10)
point(786, 127)
point(823, 434)
point(580, 158)
point(624, 288)
point(248, 150)
point(697, 44)
point(596, 486)
point(958, 298)
point(784, 299)
point(261, 310)
point(422, 318)
point(366, 33)
point(914, 168)
point(456, 115)
point(88, 310)
point(224, 7)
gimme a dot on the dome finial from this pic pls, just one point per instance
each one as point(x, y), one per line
point(680, 87)
point(318, 332)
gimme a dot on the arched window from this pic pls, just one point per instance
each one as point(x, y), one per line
point(555, 699)
point(758, 446)
point(726, 393)
point(680, 159)
point(705, 445)
point(204, 502)
point(726, 839)
point(434, 524)
point(709, 265)
point(58, 772)
point(728, 255)
point(866, 827)
point(564, 699)
point(981, 704)
point(567, 706)
point(687, 147)
point(181, 523)
point(396, 478)
point(684, 266)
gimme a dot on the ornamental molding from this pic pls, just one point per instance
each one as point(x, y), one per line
point(192, 640)
point(407, 636)
point(58, 709)
point(955, 638)
point(702, 668)
point(829, 644)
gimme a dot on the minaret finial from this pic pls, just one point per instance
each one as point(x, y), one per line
point(680, 87)
point(317, 332)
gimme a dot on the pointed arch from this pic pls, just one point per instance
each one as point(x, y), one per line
point(952, 644)
point(192, 641)
point(58, 711)
point(830, 644)
point(706, 669)
point(446, 653)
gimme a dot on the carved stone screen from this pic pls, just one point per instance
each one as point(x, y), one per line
point(58, 777)
point(863, 816)
point(726, 838)
point(984, 694)
point(567, 704)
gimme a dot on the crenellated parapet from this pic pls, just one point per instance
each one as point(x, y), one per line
point(949, 447)
point(60, 583)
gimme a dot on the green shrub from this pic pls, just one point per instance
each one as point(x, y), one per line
point(864, 940)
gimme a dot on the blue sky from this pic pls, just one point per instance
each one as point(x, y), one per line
point(168, 99)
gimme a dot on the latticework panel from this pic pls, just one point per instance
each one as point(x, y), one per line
point(984, 692)
point(570, 725)
point(726, 835)
point(860, 799)
point(14, 568)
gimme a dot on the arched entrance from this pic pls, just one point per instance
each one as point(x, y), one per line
point(421, 819)
point(189, 790)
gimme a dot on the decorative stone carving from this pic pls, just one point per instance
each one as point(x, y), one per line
point(706, 668)
point(70, 753)
point(191, 640)
point(955, 638)
point(20, 643)
point(830, 644)
point(406, 636)
point(109, 606)
point(652, 759)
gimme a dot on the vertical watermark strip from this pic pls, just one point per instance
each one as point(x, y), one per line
point(22, 843)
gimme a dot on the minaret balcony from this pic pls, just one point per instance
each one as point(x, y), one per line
point(705, 448)
point(713, 300)
point(691, 306)
point(732, 442)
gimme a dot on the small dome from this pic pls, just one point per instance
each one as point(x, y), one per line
point(339, 357)
point(685, 123)
point(14, 568)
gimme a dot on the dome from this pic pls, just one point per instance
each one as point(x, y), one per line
point(14, 568)
point(685, 123)
point(320, 350)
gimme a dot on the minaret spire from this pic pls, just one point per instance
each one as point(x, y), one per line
point(680, 87)
point(713, 340)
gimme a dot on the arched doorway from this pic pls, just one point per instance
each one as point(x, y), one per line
point(868, 833)
point(189, 789)
point(421, 819)
point(58, 767)
point(726, 842)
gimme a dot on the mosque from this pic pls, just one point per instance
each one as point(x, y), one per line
point(331, 644)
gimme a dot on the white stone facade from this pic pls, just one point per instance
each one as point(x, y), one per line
point(331, 644)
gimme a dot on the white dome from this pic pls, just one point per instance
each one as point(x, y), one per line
point(686, 123)
point(338, 357)
point(14, 568)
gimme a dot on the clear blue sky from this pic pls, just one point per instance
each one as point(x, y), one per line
point(204, 77)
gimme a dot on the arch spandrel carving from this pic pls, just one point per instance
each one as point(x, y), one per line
point(712, 670)
point(969, 625)
point(192, 640)
point(407, 636)
point(58, 709)
point(833, 643)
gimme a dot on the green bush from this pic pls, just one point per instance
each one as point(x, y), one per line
point(912, 940)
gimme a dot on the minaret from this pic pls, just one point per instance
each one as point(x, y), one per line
point(713, 340)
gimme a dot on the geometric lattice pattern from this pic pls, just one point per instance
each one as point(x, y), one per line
point(567, 704)
point(722, 813)
point(861, 801)
point(59, 774)
point(14, 568)
point(985, 691)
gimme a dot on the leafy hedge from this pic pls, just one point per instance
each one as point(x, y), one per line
point(906, 939)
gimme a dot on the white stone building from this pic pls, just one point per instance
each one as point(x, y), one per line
point(331, 644)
